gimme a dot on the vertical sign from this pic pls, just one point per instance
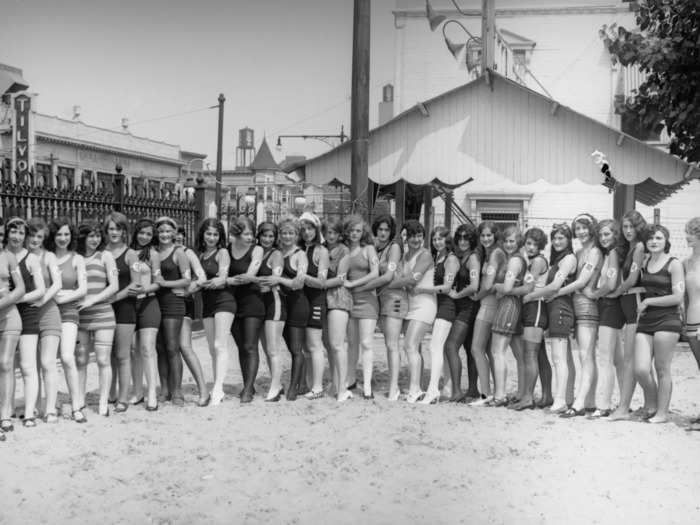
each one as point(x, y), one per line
point(20, 138)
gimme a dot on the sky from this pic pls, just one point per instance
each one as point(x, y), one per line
point(284, 66)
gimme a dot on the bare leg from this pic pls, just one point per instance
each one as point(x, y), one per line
point(8, 347)
point(103, 340)
point(441, 330)
point(82, 356)
point(518, 348)
point(607, 344)
point(560, 359)
point(272, 337)
point(147, 349)
point(137, 372)
point(337, 336)
point(586, 336)
point(353, 350)
point(366, 331)
point(643, 354)
point(499, 345)
point(48, 347)
point(28, 364)
point(664, 346)
point(482, 332)
point(391, 326)
point(414, 336)
point(316, 349)
point(629, 380)
point(121, 357)
point(571, 380)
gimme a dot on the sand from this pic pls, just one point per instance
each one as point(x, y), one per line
point(359, 462)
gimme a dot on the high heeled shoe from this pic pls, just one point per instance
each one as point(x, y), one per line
point(344, 396)
point(414, 397)
point(430, 398)
point(216, 398)
point(276, 397)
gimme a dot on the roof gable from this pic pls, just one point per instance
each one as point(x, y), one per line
point(494, 125)
point(264, 161)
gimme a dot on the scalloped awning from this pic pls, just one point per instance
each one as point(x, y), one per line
point(493, 125)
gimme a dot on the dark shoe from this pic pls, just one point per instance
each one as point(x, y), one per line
point(246, 397)
point(2, 436)
point(292, 394)
point(120, 407)
point(112, 401)
point(367, 396)
point(544, 403)
point(152, 408)
point(6, 425)
point(353, 386)
point(139, 401)
point(572, 412)
point(78, 416)
point(590, 410)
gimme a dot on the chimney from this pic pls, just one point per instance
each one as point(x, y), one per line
point(125, 124)
point(76, 112)
point(386, 106)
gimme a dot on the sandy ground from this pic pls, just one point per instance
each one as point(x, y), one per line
point(361, 462)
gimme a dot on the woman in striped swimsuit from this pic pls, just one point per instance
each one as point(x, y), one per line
point(691, 267)
point(10, 329)
point(659, 326)
point(49, 316)
point(219, 304)
point(147, 269)
point(507, 323)
point(588, 262)
point(393, 302)
point(62, 241)
point(32, 276)
point(634, 229)
point(315, 290)
point(116, 231)
point(339, 302)
point(275, 310)
point(96, 323)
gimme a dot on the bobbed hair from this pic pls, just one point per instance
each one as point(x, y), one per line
point(651, 230)
point(84, 231)
point(54, 226)
point(384, 219)
point(537, 235)
point(211, 223)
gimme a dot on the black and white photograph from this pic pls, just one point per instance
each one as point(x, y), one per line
point(357, 262)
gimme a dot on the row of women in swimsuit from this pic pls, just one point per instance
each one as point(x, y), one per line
point(323, 288)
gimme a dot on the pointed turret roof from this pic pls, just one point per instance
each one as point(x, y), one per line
point(264, 161)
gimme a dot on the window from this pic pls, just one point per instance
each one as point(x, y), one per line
point(86, 180)
point(43, 175)
point(519, 57)
point(65, 178)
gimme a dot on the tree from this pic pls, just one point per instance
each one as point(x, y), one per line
point(666, 46)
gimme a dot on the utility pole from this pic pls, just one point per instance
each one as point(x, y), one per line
point(488, 34)
point(219, 154)
point(360, 192)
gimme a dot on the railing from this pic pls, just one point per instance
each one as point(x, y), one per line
point(80, 204)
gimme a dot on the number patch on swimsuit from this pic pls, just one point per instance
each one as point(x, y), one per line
point(490, 270)
point(473, 274)
point(391, 267)
point(374, 260)
point(680, 286)
point(529, 278)
point(634, 267)
point(611, 273)
point(588, 266)
point(417, 276)
point(510, 275)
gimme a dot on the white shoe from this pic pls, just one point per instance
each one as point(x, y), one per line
point(485, 400)
point(430, 398)
point(414, 397)
point(345, 396)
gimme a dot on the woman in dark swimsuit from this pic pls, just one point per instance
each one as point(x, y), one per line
point(250, 313)
point(218, 301)
point(659, 326)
